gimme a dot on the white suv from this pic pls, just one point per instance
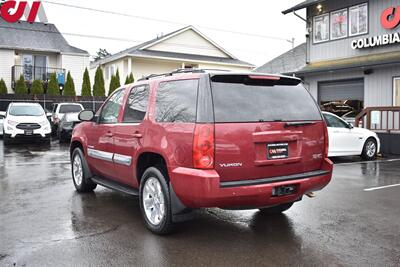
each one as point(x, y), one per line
point(60, 109)
point(26, 121)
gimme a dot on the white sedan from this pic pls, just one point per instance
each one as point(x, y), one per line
point(347, 140)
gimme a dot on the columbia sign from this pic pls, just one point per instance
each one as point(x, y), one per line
point(13, 11)
point(390, 19)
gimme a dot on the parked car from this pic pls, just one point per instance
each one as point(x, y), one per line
point(66, 126)
point(347, 140)
point(350, 117)
point(191, 140)
point(26, 121)
point(2, 116)
point(59, 110)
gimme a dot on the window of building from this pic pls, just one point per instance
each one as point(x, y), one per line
point(177, 101)
point(321, 28)
point(358, 19)
point(339, 23)
point(396, 91)
point(136, 105)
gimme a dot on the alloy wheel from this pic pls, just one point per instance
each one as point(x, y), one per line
point(77, 170)
point(153, 201)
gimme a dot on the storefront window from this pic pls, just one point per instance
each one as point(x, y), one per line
point(358, 19)
point(321, 28)
point(339, 24)
point(396, 91)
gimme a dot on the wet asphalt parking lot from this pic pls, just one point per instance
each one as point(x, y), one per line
point(44, 222)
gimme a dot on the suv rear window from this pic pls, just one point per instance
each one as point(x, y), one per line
point(177, 101)
point(70, 109)
point(240, 102)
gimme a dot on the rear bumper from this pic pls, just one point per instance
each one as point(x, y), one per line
point(203, 189)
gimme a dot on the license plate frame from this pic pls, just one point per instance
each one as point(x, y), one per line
point(28, 132)
point(277, 151)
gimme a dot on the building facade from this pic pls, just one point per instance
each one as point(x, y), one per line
point(184, 48)
point(35, 51)
point(352, 58)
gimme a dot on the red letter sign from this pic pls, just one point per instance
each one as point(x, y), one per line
point(8, 5)
point(390, 18)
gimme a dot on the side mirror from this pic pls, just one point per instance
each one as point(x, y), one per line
point(86, 115)
point(351, 126)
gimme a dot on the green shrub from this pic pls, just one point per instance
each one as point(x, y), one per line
point(20, 86)
point(3, 87)
point(98, 87)
point(117, 79)
point(113, 85)
point(86, 86)
point(129, 79)
point(69, 88)
point(53, 88)
point(37, 87)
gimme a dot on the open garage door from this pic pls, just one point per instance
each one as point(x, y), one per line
point(343, 98)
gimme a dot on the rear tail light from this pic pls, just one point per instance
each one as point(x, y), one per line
point(203, 147)
point(326, 137)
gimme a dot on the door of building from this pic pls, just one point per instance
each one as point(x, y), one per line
point(341, 97)
point(396, 91)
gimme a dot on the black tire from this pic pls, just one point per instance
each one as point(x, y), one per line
point(166, 225)
point(366, 153)
point(86, 185)
point(277, 209)
point(7, 139)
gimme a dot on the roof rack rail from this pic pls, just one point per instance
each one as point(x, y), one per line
point(179, 71)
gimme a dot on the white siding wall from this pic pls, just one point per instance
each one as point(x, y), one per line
point(76, 65)
point(189, 42)
point(6, 62)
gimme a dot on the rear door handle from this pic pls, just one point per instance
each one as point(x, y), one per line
point(137, 135)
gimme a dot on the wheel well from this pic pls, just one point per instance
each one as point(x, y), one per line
point(147, 160)
point(74, 145)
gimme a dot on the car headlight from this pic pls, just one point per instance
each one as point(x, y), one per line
point(12, 123)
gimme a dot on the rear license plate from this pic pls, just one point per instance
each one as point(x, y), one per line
point(278, 151)
point(284, 190)
point(28, 132)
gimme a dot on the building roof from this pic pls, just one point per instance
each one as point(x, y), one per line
point(35, 36)
point(141, 51)
point(287, 63)
point(362, 62)
point(302, 5)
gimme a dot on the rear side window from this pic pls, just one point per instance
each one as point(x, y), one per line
point(238, 102)
point(136, 105)
point(177, 101)
point(70, 109)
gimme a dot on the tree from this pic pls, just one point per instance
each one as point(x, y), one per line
point(37, 87)
point(86, 86)
point(69, 88)
point(129, 79)
point(98, 87)
point(3, 87)
point(113, 85)
point(20, 87)
point(53, 88)
point(102, 53)
point(117, 79)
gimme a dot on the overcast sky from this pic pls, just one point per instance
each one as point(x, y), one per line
point(250, 16)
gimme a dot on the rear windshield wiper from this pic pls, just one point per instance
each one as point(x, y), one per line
point(298, 124)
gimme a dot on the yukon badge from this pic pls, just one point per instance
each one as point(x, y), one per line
point(229, 165)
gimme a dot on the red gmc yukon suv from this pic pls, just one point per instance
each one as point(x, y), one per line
point(196, 139)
